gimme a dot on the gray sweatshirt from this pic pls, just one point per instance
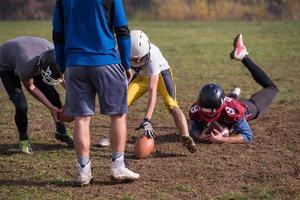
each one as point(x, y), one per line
point(21, 55)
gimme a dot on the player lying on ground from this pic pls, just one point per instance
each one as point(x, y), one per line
point(153, 74)
point(231, 114)
point(31, 60)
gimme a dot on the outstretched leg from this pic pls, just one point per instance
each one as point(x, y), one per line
point(261, 100)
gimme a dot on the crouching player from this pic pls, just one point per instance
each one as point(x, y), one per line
point(154, 75)
point(31, 61)
point(214, 115)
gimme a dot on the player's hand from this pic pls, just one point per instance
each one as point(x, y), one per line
point(54, 112)
point(63, 81)
point(148, 129)
point(129, 75)
point(216, 137)
point(204, 137)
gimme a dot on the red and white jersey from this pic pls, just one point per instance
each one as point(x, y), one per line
point(231, 112)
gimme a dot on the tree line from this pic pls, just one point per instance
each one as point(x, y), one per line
point(169, 9)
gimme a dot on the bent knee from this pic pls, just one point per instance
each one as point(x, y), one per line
point(275, 90)
point(19, 101)
point(171, 104)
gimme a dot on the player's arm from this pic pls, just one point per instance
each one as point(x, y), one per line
point(197, 131)
point(58, 35)
point(146, 123)
point(242, 130)
point(152, 88)
point(36, 93)
point(122, 35)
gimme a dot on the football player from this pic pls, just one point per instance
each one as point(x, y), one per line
point(154, 75)
point(228, 111)
point(31, 60)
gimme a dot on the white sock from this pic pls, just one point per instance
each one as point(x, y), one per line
point(118, 163)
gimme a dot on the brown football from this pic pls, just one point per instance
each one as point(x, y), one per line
point(61, 116)
point(143, 147)
point(219, 127)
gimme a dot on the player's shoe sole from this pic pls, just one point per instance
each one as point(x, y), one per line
point(240, 50)
point(83, 183)
point(116, 181)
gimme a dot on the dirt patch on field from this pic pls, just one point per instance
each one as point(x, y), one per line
point(269, 168)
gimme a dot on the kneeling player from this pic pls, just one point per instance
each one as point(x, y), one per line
point(215, 115)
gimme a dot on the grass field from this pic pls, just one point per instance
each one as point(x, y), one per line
point(198, 53)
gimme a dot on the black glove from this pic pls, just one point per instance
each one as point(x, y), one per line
point(148, 129)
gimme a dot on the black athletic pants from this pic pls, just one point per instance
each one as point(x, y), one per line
point(261, 100)
point(13, 87)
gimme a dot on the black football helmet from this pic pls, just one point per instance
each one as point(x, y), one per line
point(48, 67)
point(211, 97)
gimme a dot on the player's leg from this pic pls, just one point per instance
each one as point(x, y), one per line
point(137, 87)
point(263, 98)
point(82, 148)
point(260, 101)
point(111, 86)
point(12, 85)
point(167, 90)
point(80, 103)
point(118, 133)
point(53, 96)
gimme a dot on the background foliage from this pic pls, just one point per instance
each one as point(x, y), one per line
point(169, 9)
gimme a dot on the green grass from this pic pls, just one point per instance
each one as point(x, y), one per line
point(249, 192)
point(198, 53)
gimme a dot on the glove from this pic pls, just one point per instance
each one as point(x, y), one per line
point(148, 129)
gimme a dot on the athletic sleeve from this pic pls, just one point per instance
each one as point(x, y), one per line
point(242, 127)
point(58, 35)
point(122, 33)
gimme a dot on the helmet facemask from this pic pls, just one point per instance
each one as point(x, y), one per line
point(140, 63)
point(48, 68)
point(47, 76)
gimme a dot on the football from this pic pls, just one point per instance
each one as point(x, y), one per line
point(222, 129)
point(143, 147)
point(61, 116)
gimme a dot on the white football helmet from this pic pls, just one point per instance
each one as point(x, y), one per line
point(140, 49)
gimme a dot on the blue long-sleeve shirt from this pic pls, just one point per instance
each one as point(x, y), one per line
point(84, 33)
